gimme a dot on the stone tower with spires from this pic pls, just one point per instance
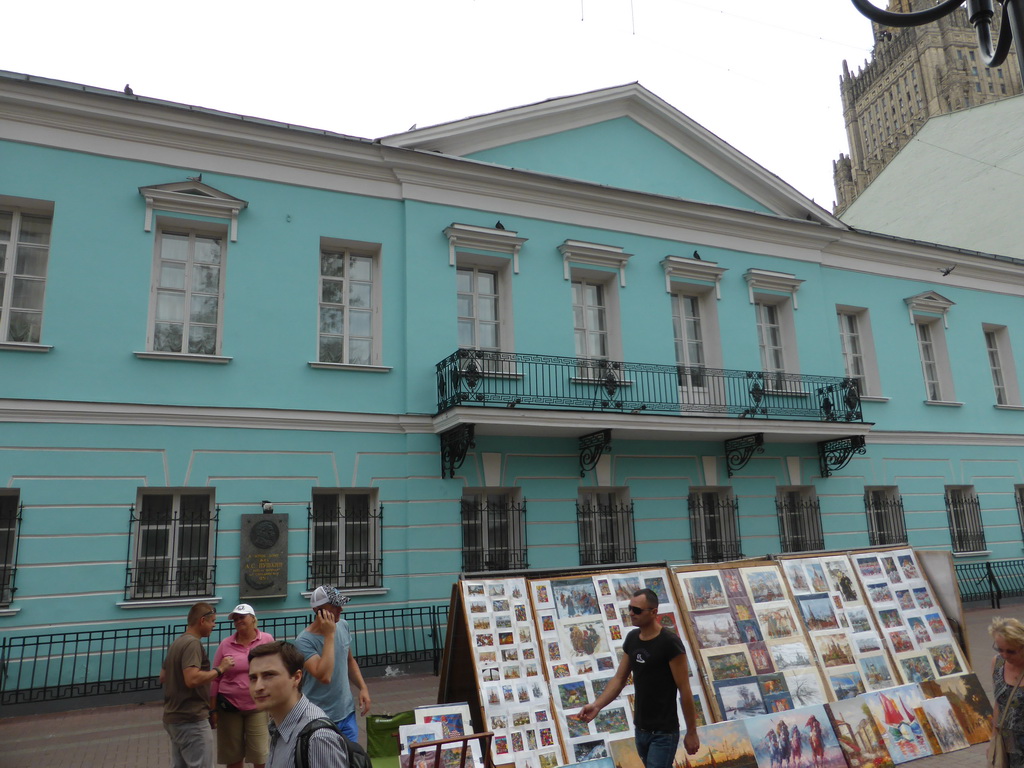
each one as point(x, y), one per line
point(914, 73)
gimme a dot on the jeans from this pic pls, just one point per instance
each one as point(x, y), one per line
point(657, 749)
point(191, 744)
point(349, 728)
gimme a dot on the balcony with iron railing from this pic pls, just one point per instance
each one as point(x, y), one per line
point(478, 378)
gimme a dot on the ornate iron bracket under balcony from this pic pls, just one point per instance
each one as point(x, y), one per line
point(470, 377)
point(591, 448)
point(739, 451)
point(833, 455)
point(455, 444)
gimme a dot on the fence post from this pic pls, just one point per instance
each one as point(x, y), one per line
point(994, 590)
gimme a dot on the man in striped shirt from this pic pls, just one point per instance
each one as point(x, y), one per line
point(275, 680)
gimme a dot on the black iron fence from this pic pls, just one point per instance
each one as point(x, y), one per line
point(507, 379)
point(40, 668)
point(991, 580)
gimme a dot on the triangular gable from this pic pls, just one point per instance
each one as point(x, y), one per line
point(624, 137)
point(194, 198)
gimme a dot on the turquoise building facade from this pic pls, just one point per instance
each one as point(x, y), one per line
point(205, 316)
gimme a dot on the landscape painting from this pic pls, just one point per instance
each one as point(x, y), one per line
point(970, 704)
point(722, 745)
point(704, 592)
point(858, 734)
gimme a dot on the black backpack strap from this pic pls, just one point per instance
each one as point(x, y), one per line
point(302, 743)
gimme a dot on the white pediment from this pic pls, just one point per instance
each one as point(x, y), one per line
point(193, 198)
point(482, 132)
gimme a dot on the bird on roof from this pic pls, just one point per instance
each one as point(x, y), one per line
point(128, 90)
point(197, 179)
point(697, 256)
point(499, 225)
point(945, 271)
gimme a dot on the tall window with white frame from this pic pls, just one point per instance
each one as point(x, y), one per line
point(689, 340)
point(770, 342)
point(493, 531)
point(10, 519)
point(344, 539)
point(479, 311)
point(188, 292)
point(24, 254)
point(995, 365)
point(1018, 495)
point(929, 360)
point(965, 524)
point(590, 320)
point(347, 312)
point(173, 554)
point(605, 525)
point(853, 355)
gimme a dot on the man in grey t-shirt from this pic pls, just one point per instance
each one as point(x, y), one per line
point(186, 677)
point(330, 667)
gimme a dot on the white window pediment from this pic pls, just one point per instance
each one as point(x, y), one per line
point(930, 303)
point(691, 270)
point(488, 239)
point(776, 282)
point(193, 198)
point(595, 255)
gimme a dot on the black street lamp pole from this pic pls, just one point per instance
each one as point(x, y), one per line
point(980, 14)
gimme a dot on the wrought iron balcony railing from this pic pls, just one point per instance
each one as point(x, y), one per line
point(470, 377)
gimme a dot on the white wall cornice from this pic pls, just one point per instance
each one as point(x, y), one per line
point(200, 140)
point(68, 412)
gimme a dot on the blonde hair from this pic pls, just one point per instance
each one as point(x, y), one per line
point(1011, 630)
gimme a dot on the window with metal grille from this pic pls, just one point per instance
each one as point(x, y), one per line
point(493, 531)
point(884, 509)
point(799, 519)
point(965, 527)
point(1018, 495)
point(605, 522)
point(10, 519)
point(344, 540)
point(172, 547)
point(714, 525)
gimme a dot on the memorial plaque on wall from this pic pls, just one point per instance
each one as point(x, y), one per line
point(263, 557)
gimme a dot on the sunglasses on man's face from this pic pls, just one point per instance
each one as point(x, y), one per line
point(637, 611)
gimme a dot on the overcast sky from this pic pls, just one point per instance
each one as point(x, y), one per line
point(761, 74)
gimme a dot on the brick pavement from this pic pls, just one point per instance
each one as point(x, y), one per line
point(131, 736)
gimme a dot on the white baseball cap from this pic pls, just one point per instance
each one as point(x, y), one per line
point(242, 609)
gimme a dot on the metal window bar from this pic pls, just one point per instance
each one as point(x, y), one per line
point(714, 527)
point(169, 551)
point(1019, 497)
point(11, 514)
point(886, 518)
point(345, 546)
point(606, 533)
point(799, 524)
point(493, 535)
point(482, 378)
point(965, 528)
point(46, 667)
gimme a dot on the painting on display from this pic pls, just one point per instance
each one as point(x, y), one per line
point(722, 745)
point(858, 734)
point(946, 731)
point(800, 738)
point(970, 704)
point(898, 713)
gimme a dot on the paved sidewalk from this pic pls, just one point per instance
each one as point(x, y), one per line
point(131, 736)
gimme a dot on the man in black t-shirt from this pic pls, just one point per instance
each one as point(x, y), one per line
point(657, 659)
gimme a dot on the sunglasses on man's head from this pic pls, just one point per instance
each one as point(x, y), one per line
point(637, 611)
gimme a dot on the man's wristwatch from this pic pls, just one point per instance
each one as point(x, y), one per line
point(219, 671)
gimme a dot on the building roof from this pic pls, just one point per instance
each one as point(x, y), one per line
point(958, 182)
